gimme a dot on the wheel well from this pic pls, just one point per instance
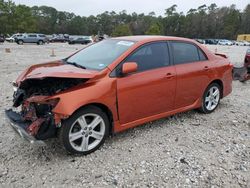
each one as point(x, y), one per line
point(220, 83)
point(104, 109)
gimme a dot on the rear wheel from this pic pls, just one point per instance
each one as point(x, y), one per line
point(40, 42)
point(211, 98)
point(85, 131)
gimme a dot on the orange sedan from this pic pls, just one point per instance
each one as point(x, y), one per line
point(114, 85)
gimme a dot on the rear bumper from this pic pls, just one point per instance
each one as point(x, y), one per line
point(19, 126)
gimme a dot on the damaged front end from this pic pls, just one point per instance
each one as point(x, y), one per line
point(33, 103)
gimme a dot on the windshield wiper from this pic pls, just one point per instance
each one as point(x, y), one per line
point(76, 65)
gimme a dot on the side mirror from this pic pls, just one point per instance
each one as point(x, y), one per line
point(129, 67)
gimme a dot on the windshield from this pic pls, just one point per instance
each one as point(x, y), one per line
point(100, 55)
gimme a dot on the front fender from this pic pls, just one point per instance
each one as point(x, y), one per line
point(102, 91)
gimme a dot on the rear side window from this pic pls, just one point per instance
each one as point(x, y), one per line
point(186, 53)
point(150, 56)
point(41, 35)
point(202, 56)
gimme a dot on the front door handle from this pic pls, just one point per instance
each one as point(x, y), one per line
point(169, 75)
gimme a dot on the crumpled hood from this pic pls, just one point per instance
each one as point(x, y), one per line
point(56, 69)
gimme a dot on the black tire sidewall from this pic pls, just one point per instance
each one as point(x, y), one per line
point(203, 107)
point(20, 42)
point(40, 42)
point(68, 123)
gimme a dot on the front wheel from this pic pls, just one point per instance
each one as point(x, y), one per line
point(85, 131)
point(20, 42)
point(211, 98)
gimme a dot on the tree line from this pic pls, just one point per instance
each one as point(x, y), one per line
point(202, 22)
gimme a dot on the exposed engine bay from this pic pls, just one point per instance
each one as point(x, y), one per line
point(43, 87)
point(35, 115)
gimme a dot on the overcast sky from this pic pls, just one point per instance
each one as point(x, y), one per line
point(94, 7)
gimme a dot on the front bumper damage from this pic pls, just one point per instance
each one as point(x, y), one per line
point(36, 121)
point(20, 126)
point(34, 99)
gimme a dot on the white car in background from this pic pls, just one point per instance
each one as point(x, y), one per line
point(12, 38)
point(242, 43)
point(225, 42)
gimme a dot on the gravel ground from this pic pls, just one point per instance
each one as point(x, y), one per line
point(186, 150)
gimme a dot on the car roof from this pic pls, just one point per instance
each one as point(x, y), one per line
point(144, 38)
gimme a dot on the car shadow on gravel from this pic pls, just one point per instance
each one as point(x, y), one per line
point(54, 151)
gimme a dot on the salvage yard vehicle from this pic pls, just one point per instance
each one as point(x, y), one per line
point(2, 39)
point(247, 60)
point(243, 73)
point(211, 41)
point(80, 40)
point(39, 39)
point(59, 38)
point(242, 43)
point(13, 37)
point(225, 42)
point(114, 85)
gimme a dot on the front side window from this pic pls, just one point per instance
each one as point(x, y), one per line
point(151, 56)
point(184, 52)
point(31, 35)
point(99, 55)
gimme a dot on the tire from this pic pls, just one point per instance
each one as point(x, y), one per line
point(40, 42)
point(211, 98)
point(85, 138)
point(20, 42)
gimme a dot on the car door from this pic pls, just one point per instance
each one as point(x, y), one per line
point(30, 38)
point(79, 40)
point(193, 72)
point(151, 90)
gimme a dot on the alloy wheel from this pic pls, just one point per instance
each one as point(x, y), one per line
point(87, 132)
point(212, 98)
